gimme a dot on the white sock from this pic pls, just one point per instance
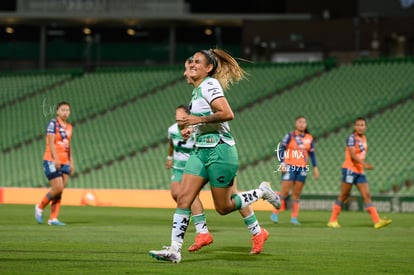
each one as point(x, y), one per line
point(200, 223)
point(180, 223)
point(249, 197)
point(252, 224)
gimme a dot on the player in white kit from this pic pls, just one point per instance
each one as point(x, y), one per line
point(214, 159)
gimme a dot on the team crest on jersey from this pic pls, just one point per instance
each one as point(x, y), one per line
point(306, 140)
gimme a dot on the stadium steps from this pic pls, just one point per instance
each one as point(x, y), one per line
point(139, 137)
point(91, 96)
point(389, 152)
point(248, 115)
point(255, 127)
point(330, 112)
point(173, 93)
point(17, 87)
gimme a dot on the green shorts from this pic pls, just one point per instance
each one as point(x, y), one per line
point(216, 164)
point(177, 175)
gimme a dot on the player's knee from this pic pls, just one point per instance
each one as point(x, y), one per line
point(183, 201)
point(58, 188)
point(174, 196)
point(223, 210)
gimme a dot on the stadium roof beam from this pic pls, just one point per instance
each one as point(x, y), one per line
point(122, 19)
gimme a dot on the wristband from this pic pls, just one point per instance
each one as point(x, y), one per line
point(169, 157)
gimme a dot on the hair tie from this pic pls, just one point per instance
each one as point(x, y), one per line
point(212, 60)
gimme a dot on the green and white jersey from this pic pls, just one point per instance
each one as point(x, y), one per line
point(182, 148)
point(209, 134)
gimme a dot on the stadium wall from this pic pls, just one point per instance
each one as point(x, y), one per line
point(162, 199)
point(107, 197)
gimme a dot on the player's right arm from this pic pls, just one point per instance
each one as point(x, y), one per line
point(187, 132)
point(169, 162)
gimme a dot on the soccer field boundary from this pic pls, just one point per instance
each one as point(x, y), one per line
point(108, 197)
point(142, 198)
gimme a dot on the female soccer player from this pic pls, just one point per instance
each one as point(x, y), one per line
point(57, 163)
point(203, 236)
point(214, 158)
point(353, 174)
point(178, 153)
point(293, 154)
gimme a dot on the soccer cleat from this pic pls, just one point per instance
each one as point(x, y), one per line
point(269, 195)
point(334, 224)
point(167, 254)
point(55, 222)
point(38, 214)
point(202, 239)
point(258, 241)
point(274, 217)
point(382, 222)
point(294, 221)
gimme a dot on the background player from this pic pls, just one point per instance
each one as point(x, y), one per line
point(178, 153)
point(293, 153)
point(353, 174)
point(57, 163)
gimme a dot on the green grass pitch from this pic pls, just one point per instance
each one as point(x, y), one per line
point(110, 240)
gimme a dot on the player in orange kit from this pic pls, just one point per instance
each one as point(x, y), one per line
point(293, 153)
point(57, 163)
point(353, 174)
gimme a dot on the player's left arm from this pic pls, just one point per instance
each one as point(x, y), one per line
point(70, 157)
point(357, 159)
point(221, 112)
point(312, 156)
point(71, 161)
